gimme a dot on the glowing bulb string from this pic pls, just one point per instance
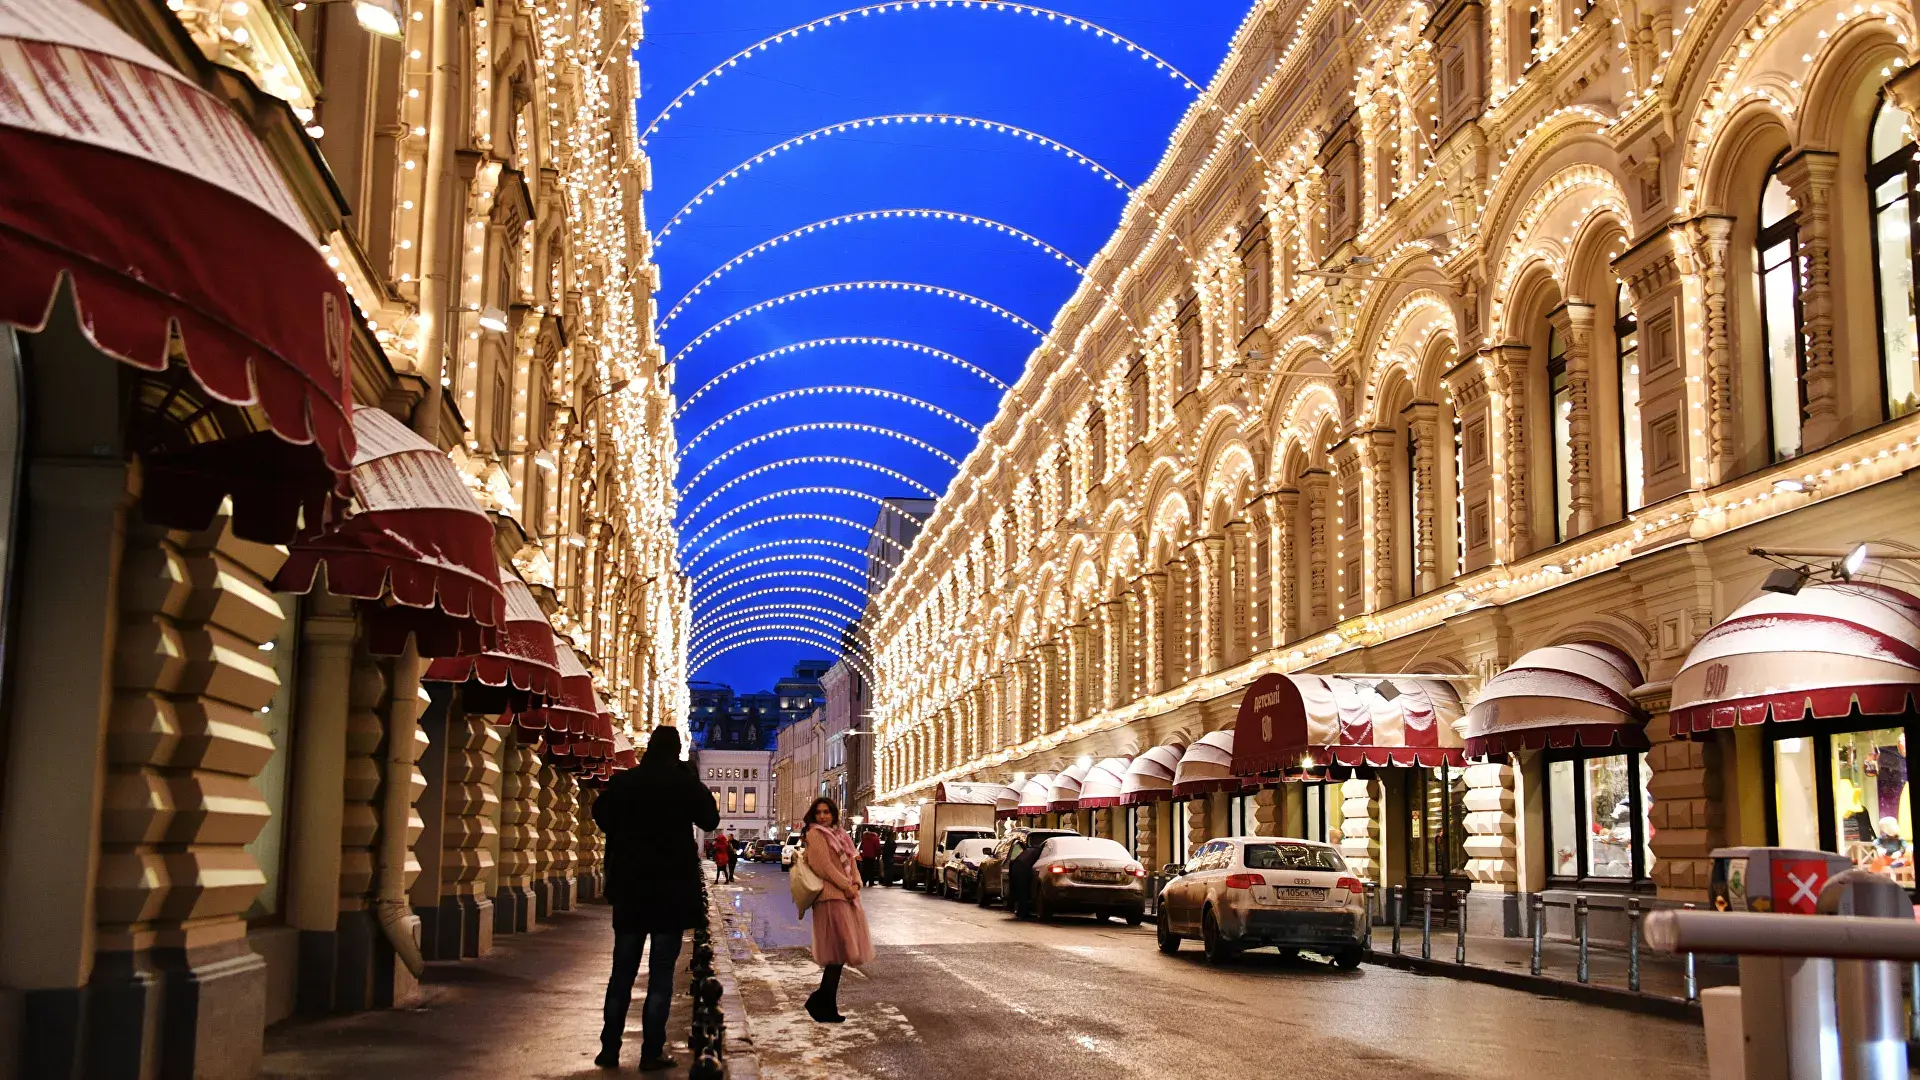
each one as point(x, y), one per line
point(956, 120)
point(764, 623)
point(815, 343)
point(795, 515)
point(788, 542)
point(812, 489)
point(781, 575)
point(804, 590)
point(811, 459)
point(854, 286)
point(814, 391)
point(714, 632)
point(1100, 32)
point(832, 647)
point(821, 425)
point(858, 217)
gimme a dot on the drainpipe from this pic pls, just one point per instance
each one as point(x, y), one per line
point(439, 215)
point(397, 920)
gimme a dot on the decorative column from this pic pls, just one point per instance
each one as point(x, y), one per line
point(1508, 417)
point(1199, 827)
point(519, 789)
point(359, 823)
point(1360, 829)
point(1315, 483)
point(1236, 628)
point(1079, 648)
point(1154, 634)
point(1689, 803)
point(1283, 509)
point(1143, 840)
point(1209, 557)
point(1809, 176)
point(1710, 240)
point(565, 788)
point(1423, 425)
point(1381, 516)
point(1492, 848)
point(175, 989)
point(467, 833)
point(1177, 633)
point(1575, 320)
point(1266, 811)
point(586, 850)
point(540, 849)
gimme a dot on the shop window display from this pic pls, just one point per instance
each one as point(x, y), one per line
point(1599, 818)
point(1847, 792)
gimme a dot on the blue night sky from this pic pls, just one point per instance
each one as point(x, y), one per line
point(1052, 78)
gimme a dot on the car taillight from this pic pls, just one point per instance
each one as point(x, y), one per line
point(1061, 868)
point(1136, 870)
point(1244, 881)
point(1351, 884)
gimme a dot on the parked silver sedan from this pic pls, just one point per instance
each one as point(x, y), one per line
point(1088, 875)
point(1249, 891)
point(960, 874)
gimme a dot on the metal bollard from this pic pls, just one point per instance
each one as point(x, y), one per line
point(1366, 927)
point(1580, 931)
point(1913, 1002)
point(1460, 927)
point(1633, 944)
point(1426, 924)
point(1537, 904)
point(1693, 977)
point(1398, 898)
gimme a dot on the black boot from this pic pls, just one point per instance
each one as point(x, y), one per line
point(824, 1005)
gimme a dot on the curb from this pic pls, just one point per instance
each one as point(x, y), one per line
point(741, 1061)
point(1585, 993)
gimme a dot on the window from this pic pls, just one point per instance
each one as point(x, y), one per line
point(1560, 394)
point(1177, 830)
point(753, 800)
point(1626, 344)
point(1598, 818)
point(1778, 247)
point(1436, 809)
point(268, 846)
point(1322, 813)
point(1844, 791)
point(1130, 829)
point(733, 800)
point(1240, 816)
point(1892, 178)
point(1292, 857)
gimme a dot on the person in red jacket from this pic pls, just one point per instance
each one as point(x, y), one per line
point(722, 857)
point(869, 857)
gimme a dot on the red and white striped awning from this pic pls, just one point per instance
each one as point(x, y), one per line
point(157, 202)
point(576, 708)
point(1064, 795)
point(1207, 766)
point(523, 666)
point(624, 755)
point(416, 546)
point(1290, 724)
point(1103, 784)
point(1826, 651)
point(1004, 800)
point(1560, 696)
point(1036, 795)
point(1149, 777)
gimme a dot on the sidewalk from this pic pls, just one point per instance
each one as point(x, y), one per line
point(530, 1010)
point(1508, 962)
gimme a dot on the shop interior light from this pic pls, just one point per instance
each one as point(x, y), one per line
point(380, 17)
point(1785, 580)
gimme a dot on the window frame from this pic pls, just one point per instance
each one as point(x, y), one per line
point(1904, 161)
point(1821, 732)
point(1640, 878)
point(1787, 231)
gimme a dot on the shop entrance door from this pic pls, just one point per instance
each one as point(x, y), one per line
point(1436, 838)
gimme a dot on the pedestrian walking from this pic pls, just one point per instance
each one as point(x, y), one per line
point(653, 881)
point(869, 857)
point(722, 858)
point(839, 923)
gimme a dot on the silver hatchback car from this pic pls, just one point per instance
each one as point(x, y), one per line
point(1248, 891)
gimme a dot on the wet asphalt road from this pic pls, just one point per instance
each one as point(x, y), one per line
point(958, 991)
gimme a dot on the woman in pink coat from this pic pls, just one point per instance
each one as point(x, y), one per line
point(839, 924)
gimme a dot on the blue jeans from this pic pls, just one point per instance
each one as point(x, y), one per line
point(627, 945)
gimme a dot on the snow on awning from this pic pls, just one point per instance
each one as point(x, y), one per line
point(204, 239)
point(1823, 652)
point(575, 709)
point(1036, 795)
point(521, 671)
point(1064, 794)
point(417, 547)
point(1290, 724)
point(1004, 800)
point(1103, 784)
point(1149, 777)
point(1207, 766)
point(1560, 696)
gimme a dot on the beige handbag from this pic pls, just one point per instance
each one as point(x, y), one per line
point(804, 883)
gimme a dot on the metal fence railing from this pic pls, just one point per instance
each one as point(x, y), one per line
point(708, 1040)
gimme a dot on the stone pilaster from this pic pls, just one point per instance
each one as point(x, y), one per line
point(1315, 485)
point(1423, 427)
point(1377, 452)
point(1211, 563)
point(358, 934)
point(519, 790)
point(1809, 176)
point(175, 988)
point(1492, 848)
point(467, 833)
point(1360, 829)
point(565, 788)
point(540, 848)
point(588, 880)
point(1199, 827)
point(1283, 575)
point(1266, 811)
point(1153, 616)
point(1688, 812)
point(1236, 626)
point(1144, 835)
point(1710, 241)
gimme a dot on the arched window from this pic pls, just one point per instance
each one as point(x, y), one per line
point(1626, 344)
point(1893, 175)
point(1560, 401)
point(1778, 247)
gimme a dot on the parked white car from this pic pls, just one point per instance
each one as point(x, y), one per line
point(790, 851)
point(960, 874)
point(1249, 891)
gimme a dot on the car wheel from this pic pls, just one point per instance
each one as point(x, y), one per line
point(1135, 918)
point(1215, 946)
point(980, 894)
point(1348, 960)
point(1041, 909)
point(1168, 940)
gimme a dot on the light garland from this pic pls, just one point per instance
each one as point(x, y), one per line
point(811, 489)
point(829, 390)
point(801, 429)
point(817, 343)
point(810, 459)
point(853, 286)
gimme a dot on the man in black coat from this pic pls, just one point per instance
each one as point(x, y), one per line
point(653, 880)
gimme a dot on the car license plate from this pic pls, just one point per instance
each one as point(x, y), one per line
point(1303, 894)
point(1102, 876)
